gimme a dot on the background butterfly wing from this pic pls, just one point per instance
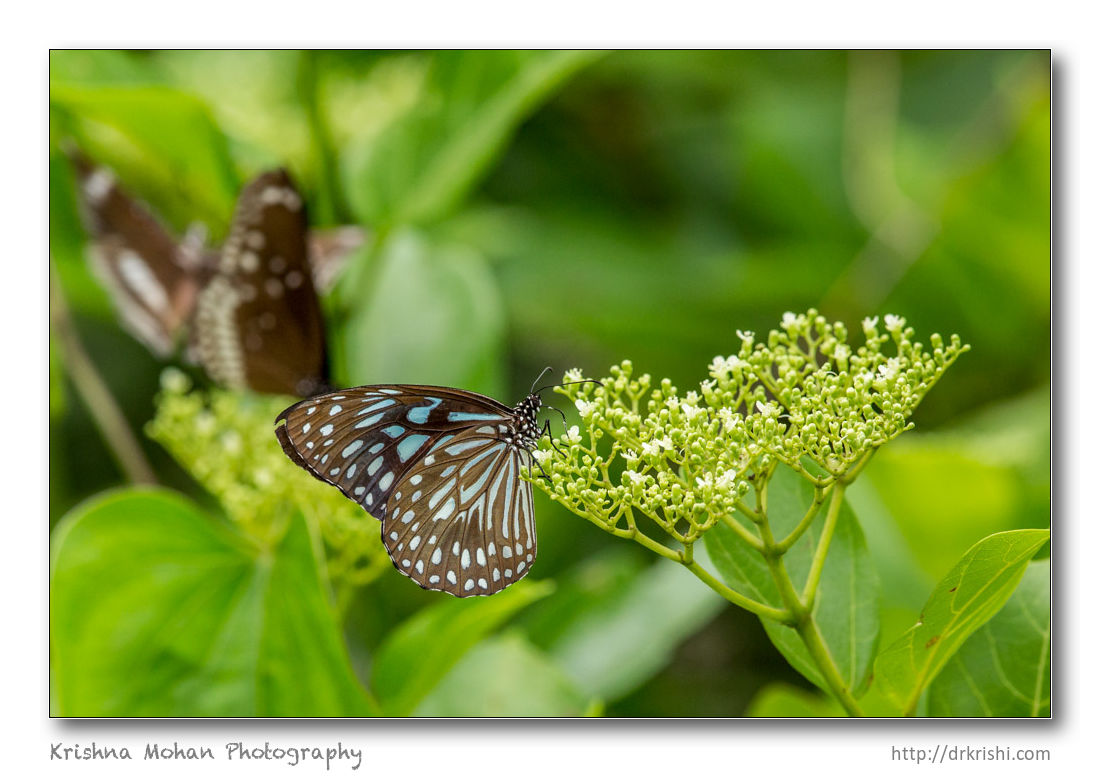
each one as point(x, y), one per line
point(329, 251)
point(258, 321)
point(153, 280)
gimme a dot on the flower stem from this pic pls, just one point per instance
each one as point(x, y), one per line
point(742, 532)
point(727, 593)
point(819, 498)
point(809, 593)
point(802, 607)
point(811, 637)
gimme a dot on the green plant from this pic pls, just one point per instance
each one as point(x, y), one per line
point(748, 464)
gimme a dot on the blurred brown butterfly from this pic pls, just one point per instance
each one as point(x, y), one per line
point(251, 309)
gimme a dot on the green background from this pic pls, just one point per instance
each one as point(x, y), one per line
point(570, 209)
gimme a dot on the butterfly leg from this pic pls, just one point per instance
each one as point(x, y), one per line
point(550, 437)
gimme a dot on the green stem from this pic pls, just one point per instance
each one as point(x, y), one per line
point(93, 390)
point(815, 507)
point(748, 512)
point(331, 206)
point(809, 593)
point(802, 607)
point(727, 593)
point(857, 468)
point(652, 544)
point(742, 532)
point(811, 637)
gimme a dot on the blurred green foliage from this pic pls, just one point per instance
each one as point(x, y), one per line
point(573, 209)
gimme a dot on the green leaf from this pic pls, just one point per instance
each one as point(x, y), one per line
point(1003, 670)
point(426, 161)
point(846, 608)
point(434, 316)
point(780, 700)
point(157, 610)
point(504, 676)
point(155, 138)
point(651, 611)
point(423, 649)
point(971, 593)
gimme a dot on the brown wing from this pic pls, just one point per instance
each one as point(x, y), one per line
point(153, 280)
point(258, 322)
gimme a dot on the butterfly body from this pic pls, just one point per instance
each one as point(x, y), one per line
point(439, 467)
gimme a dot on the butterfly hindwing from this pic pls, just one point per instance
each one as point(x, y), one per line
point(258, 322)
point(463, 521)
point(438, 467)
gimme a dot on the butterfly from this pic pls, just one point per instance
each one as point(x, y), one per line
point(439, 467)
point(250, 312)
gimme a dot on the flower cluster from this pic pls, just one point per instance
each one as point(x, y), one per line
point(226, 441)
point(802, 394)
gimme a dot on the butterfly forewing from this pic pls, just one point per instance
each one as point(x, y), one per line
point(153, 280)
point(258, 322)
point(439, 467)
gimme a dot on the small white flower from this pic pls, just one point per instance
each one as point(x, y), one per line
point(890, 369)
point(572, 375)
point(730, 419)
point(790, 320)
point(706, 481)
point(690, 411)
point(692, 397)
point(721, 368)
point(672, 403)
point(654, 447)
point(231, 442)
point(893, 323)
point(634, 478)
point(767, 410)
point(870, 323)
point(573, 435)
point(205, 423)
point(746, 336)
point(842, 352)
point(727, 478)
point(174, 381)
point(585, 408)
point(541, 456)
point(707, 386)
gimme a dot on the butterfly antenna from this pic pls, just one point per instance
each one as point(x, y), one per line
point(570, 383)
point(536, 380)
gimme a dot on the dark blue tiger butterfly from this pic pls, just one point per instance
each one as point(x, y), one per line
point(251, 309)
point(439, 467)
